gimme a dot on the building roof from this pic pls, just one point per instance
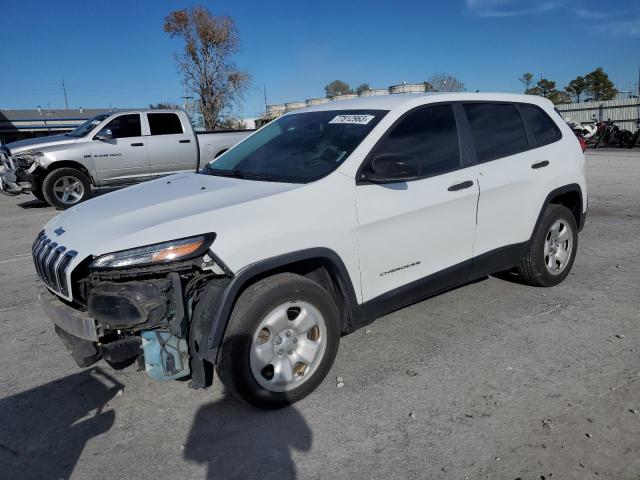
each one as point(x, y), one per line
point(47, 114)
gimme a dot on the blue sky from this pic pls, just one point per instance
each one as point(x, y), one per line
point(116, 53)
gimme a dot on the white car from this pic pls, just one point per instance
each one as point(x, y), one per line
point(315, 225)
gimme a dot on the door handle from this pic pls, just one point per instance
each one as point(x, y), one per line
point(184, 141)
point(137, 144)
point(460, 186)
point(542, 164)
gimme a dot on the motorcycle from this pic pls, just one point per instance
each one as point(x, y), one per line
point(585, 130)
point(636, 136)
point(612, 135)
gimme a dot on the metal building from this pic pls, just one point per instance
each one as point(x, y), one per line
point(21, 124)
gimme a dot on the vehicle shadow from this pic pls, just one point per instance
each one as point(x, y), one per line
point(43, 431)
point(240, 442)
point(511, 276)
point(34, 203)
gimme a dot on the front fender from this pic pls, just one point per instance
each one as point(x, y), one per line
point(217, 299)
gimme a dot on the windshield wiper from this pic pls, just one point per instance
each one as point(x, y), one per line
point(223, 172)
point(235, 173)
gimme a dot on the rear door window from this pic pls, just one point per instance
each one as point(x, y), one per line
point(497, 130)
point(164, 124)
point(544, 130)
point(125, 126)
point(429, 135)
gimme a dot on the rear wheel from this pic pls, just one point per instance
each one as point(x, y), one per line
point(281, 341)
point(552, 249)
point(65, 187)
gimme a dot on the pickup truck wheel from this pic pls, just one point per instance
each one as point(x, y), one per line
point(281, 341)
point(552, 249)
point(65, 187)
point(37, 192)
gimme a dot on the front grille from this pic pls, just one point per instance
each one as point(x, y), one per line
point(51, 261)
point(4, 159)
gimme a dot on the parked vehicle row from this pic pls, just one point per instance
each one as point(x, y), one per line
point(315, 225)
point(111, 149)
point(606, 133)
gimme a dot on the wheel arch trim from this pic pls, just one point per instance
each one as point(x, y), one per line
point(222, 313)
point(569, 188)
point(58, 164)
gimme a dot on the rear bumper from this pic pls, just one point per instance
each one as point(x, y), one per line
point(72, 321)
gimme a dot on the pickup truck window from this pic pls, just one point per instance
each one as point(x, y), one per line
point(164, 124)
point(299, 147)
point(87, 126)
point(125, 126)
point(429, 135)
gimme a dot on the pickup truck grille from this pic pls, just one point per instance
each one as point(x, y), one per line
point(51, 261)
point(4, 158)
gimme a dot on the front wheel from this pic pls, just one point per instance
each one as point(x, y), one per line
point(281, 341)
point(65, 187)
point(552, 249)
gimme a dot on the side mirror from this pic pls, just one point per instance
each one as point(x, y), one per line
point(392, 167)
point(103, 135)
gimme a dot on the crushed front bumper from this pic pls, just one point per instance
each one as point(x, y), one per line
point(73, 321)
point(13, 179)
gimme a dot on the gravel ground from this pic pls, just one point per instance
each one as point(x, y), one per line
point(492, 380)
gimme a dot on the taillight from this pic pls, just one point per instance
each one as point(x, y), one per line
point(583, 143)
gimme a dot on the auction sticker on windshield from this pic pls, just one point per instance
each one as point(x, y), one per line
point(352, 119)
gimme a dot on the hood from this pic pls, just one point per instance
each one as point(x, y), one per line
point(160, 210)
point(40, 142)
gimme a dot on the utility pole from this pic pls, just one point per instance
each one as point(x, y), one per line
point(186, 99)
point(64, 89)
point(264, 89)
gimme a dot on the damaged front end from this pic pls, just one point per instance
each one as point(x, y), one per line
point(141, 313)
point(16, 172)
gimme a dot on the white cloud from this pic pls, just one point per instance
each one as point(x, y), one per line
point(591, 14)
point(509, 8)
point(624, 28)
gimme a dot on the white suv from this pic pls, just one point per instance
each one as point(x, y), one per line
point(315, 225)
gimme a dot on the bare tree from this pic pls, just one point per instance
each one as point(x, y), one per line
point(231, 123)
point(363, 87)
point(445, 83)
point(206, 64)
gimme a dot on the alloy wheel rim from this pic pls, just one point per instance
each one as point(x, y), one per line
point(288, 346)
point(558, 246)
point(68, 190)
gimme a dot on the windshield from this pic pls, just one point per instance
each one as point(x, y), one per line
point(297, 148)
point(87, 126)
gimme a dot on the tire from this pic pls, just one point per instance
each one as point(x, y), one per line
point(261, 307)
point(79, 184)
point(541, 267)
point(37, 192)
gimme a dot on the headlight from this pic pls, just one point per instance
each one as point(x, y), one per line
point(157, 254)
point(29, 155)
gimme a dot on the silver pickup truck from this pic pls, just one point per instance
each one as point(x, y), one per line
point(111, 149)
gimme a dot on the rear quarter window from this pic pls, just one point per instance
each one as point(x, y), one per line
point(543, 129)
point(497, 130)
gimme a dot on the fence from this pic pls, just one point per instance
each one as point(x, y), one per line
point(622, 112)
